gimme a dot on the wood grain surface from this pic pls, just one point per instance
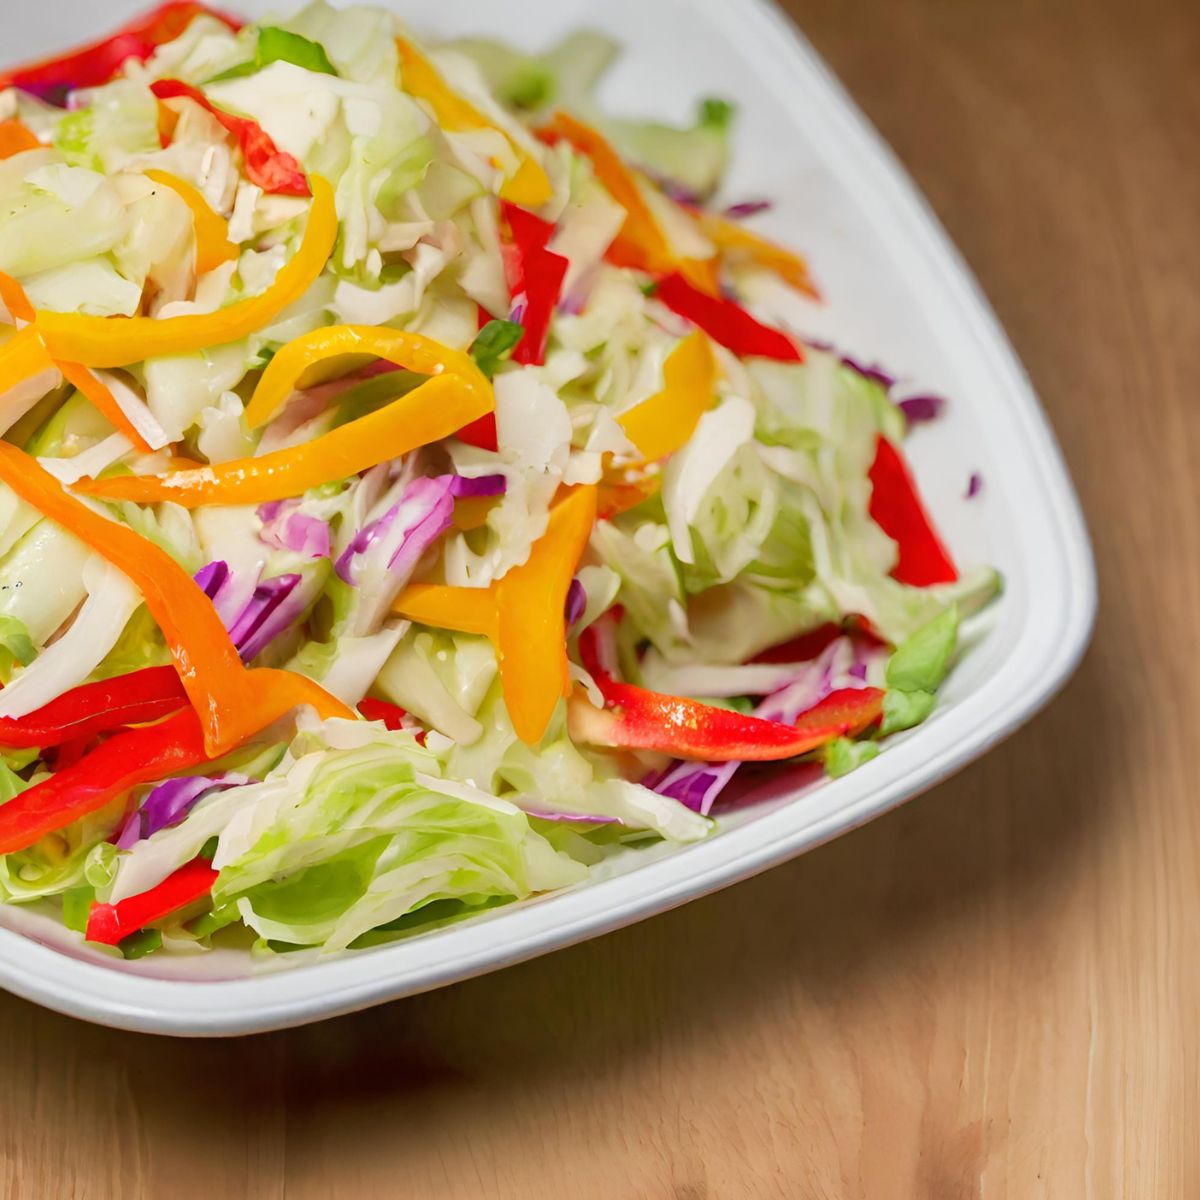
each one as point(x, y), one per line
point(995, 991)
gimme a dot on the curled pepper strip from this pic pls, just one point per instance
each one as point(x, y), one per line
point(16, 137)
point(272, 169)
point(119, 341)
point(87, 785)
point(529, 185)
point(26, 356)
point(213, 246)
point(637, 719)
point(726, 322)
point(94, 708)
point(232, 702)
point(523, 614)
point(92, 65)
point(109, 924)
point(737, 243)
point(641, 244)
point(411, 350)
point(432, 412)
point(897, 509)
point(666, 421)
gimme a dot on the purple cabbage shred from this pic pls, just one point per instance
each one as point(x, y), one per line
point(921, 409)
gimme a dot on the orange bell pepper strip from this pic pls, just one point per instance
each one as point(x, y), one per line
point(420, 354)
point(15, 300)
point(642, 244)
point(119, 341)
point(666, 421)
point(432, 412)
point(15, 137)
point(620, 495)
point(523, 614)
point(738, 243)
point(104, 401)
point(529, 185)
point(232, 702)
point(213, 246)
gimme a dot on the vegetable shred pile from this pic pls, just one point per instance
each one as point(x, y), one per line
point(402, 511)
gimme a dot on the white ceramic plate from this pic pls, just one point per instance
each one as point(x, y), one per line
point(897, 293)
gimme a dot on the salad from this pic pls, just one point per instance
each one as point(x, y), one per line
point(402, 511)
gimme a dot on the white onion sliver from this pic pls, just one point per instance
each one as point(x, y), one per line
point(136, 409)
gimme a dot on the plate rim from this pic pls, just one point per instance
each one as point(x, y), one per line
point(128, 1000)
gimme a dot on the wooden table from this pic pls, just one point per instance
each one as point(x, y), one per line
point(992, 992)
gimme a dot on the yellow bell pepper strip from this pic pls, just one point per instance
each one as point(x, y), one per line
point(119, 341)
point(532, 604)
point(22, 357)
point(463, 610)
point(233, 703)
point(641, 244)
point(529, 185)
point(523, 613)
point(666, 421)
point(213, 246)
point(104, 401)
point(16, 137)
point(432, 412)
point(15, 300)
point(737, 243)
point(420, 354)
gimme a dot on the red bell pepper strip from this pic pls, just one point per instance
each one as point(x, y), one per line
point(272, 169)
point(897, 509)
point(726, 322)
point(481, 433)
point(637, 719)
point(69, 753)
point(109, 924)
point(392, 715)
point(124, 761)
point(233, 702)
point(90, 66)
point(535, 279)
point(94, 708)
point(808, 646)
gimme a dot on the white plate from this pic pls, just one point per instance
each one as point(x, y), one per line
point(897, 292)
